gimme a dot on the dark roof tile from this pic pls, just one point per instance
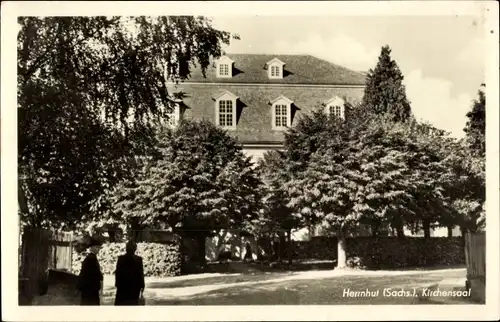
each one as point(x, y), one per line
point(298, 69)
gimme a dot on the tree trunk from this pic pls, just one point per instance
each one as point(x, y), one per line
point(281, 247)
point(290, 246)
point(400, 231)
point(23, 205)
point(270, 249)
point(374, 227)
point(200, 239)
point(450, 231)
point(341, 249)
point(427, 228)
point(399, 227)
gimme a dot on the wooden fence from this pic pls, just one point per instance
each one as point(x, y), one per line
point(40, 251)
point(475, 258)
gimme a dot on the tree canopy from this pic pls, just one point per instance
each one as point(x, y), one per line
point(200, 181)
point(89, 89)
point(385, 91)
point(476, 124)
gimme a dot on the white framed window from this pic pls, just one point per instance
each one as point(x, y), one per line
point(171, 119)
point(275, 71)
point(275, 68)
point(225, 67)
point(173, 114)
point(336, 111)
point(225, 110)
point(281, 113)
point(335, 107)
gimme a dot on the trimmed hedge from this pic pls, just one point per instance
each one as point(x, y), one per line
point(386, 252)
point(158, 259)
point(394, 253)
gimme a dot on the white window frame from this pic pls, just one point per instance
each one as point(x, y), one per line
point(224, 69)
point(275, 68)
point(226, 97)
point(279, 102)
point(335, 105)
point(174, 117)
point(228, 63)
point(226, 114)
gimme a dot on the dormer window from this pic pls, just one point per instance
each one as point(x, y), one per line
point(275, 68)
point(336, 111)
point(275, 71)
point(225, 110)
point(281, 113)
point(335, 107)
point(225, 67)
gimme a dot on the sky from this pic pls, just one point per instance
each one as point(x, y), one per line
point(441, 57)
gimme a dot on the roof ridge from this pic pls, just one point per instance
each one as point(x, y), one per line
point(265, 54)
point(337, 65)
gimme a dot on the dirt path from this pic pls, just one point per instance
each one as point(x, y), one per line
point(179, 292)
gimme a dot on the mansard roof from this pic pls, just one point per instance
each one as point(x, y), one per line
point(299, 69)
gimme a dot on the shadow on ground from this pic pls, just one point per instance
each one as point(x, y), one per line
point(322, 291)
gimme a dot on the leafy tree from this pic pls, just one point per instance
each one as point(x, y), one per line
point(467, 192)
point(199, 182)
point(325, 191)
point(476, 124)
point(89, 90)
point(385, 91)
point(276, 216)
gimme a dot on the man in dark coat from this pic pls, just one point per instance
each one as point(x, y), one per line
point(129, 277)
point(90, 278)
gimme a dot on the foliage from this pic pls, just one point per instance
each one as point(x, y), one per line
point(385, 91)
point(385, 252)
point(380, 170)
point(200, 181)
point(275, 216)
point(89, 89)
point(476, 124)
point(158, 259)
point(395, 253)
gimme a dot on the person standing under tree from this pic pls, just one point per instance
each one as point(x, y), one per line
point(91, 278)
point(248, 253)
point(129, 277)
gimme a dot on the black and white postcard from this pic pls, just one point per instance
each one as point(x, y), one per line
point(250, 160)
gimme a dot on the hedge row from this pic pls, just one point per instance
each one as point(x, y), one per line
point(386, 252)
point(158, 259)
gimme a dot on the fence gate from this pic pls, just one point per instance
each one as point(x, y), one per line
point(475, 258)
point(41, 250)
point(61, 251)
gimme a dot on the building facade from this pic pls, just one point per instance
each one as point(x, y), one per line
point(257, 97)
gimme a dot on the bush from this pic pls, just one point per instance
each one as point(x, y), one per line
point(395, 253)
point(158, 259)
point(386, 252)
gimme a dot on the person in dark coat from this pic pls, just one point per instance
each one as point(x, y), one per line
point(248, 253)
point(129, 277)
point(90, 278)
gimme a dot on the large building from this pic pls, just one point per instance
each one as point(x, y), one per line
point(256, 97)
